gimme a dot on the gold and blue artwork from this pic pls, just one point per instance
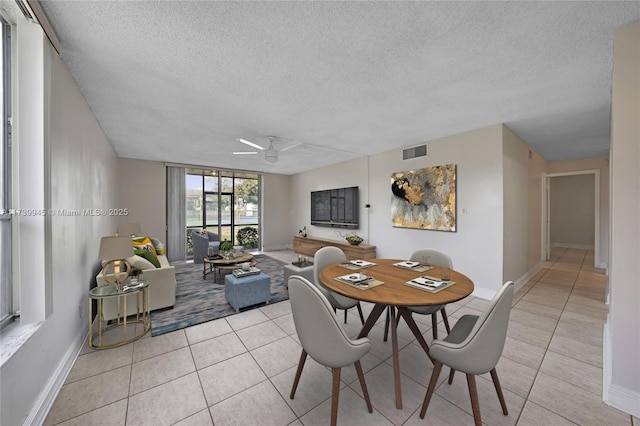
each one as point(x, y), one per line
point(424, 198)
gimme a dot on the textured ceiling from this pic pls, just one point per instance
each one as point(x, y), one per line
point(180, 81)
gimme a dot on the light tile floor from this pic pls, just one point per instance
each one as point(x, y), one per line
point(239, 370)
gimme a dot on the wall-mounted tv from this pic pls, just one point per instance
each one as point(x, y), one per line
point(336, 208)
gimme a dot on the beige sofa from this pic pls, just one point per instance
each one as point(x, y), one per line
point(162, 287)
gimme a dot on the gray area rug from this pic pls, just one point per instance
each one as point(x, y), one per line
point(200, 300)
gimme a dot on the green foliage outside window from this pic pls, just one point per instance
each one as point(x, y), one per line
point(248, 237)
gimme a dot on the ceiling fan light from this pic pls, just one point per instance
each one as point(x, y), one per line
point(271, 155)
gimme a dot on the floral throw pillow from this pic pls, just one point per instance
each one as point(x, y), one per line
point(143, 243)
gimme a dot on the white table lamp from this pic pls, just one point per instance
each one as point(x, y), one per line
point(114, 250)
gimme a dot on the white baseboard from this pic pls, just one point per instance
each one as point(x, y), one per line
point(526, 277)
point(623, 399)
point(616, 396)
point(48, 395)
point(485, 293)
point(276, 247)
point(605, 266)
point(574, 246)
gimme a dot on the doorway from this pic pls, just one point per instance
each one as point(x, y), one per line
point(571, 211)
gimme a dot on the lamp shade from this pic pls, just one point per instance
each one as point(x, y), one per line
point(114, 248)
point(129, 229)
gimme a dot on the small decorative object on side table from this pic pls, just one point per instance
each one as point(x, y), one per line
point(135, 274)
point(142, 316)
point(303, 262)
point(303, 267)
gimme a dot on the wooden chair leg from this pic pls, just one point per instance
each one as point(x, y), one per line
point(303, 358)
point(360, 312)
point(434, 325)
point(451, 373)
point(437, 367)
point(496, 383)
point(445, 320)
point(335, 395)
point(363, 385)
point(475, 404)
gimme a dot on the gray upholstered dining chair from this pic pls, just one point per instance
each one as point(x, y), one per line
point(433, 257)
point(474, 347)
point(323, 339)
point(324, 257)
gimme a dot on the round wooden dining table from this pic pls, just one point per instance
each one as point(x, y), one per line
point(396, 295)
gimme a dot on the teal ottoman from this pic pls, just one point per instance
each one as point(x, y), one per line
point(247, 291)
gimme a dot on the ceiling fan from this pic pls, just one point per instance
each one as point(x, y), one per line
point(270, 153)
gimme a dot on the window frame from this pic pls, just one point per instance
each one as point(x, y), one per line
point(221, 228)
point(7, 291)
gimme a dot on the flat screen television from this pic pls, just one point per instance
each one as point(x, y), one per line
point(337, 208)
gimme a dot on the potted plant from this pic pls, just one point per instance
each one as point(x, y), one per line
point(226, 247)
point(135, 274)
point(354, 239)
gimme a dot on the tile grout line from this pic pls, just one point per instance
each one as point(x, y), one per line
point(549, 344)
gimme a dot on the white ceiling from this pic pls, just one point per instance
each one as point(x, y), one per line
point(180, 81)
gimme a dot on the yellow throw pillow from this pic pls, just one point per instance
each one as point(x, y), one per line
point(143, 243)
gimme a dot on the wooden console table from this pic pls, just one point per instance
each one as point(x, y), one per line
point(309, 246)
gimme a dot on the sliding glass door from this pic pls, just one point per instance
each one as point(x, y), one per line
point(224, 202)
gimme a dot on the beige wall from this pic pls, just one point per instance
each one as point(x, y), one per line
point(83, 175)
point(602, 165)
point(276, 214)
point(476, 247)
point(522, 225)
point(572, 212)
point(143, 192)
point(537, 168)
point(622, 331)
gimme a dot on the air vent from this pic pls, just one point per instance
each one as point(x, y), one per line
point(414, 151)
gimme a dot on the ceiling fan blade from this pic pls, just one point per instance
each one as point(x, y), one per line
point(244, 153)
point(291, 146)
point(255, 145)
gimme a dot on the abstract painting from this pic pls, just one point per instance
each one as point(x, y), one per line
point(425, 198)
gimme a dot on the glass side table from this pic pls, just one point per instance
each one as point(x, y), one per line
point(141, 319)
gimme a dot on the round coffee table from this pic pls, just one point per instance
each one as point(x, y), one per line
point(219, 265)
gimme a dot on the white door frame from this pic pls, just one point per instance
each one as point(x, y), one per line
point(546, 207)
